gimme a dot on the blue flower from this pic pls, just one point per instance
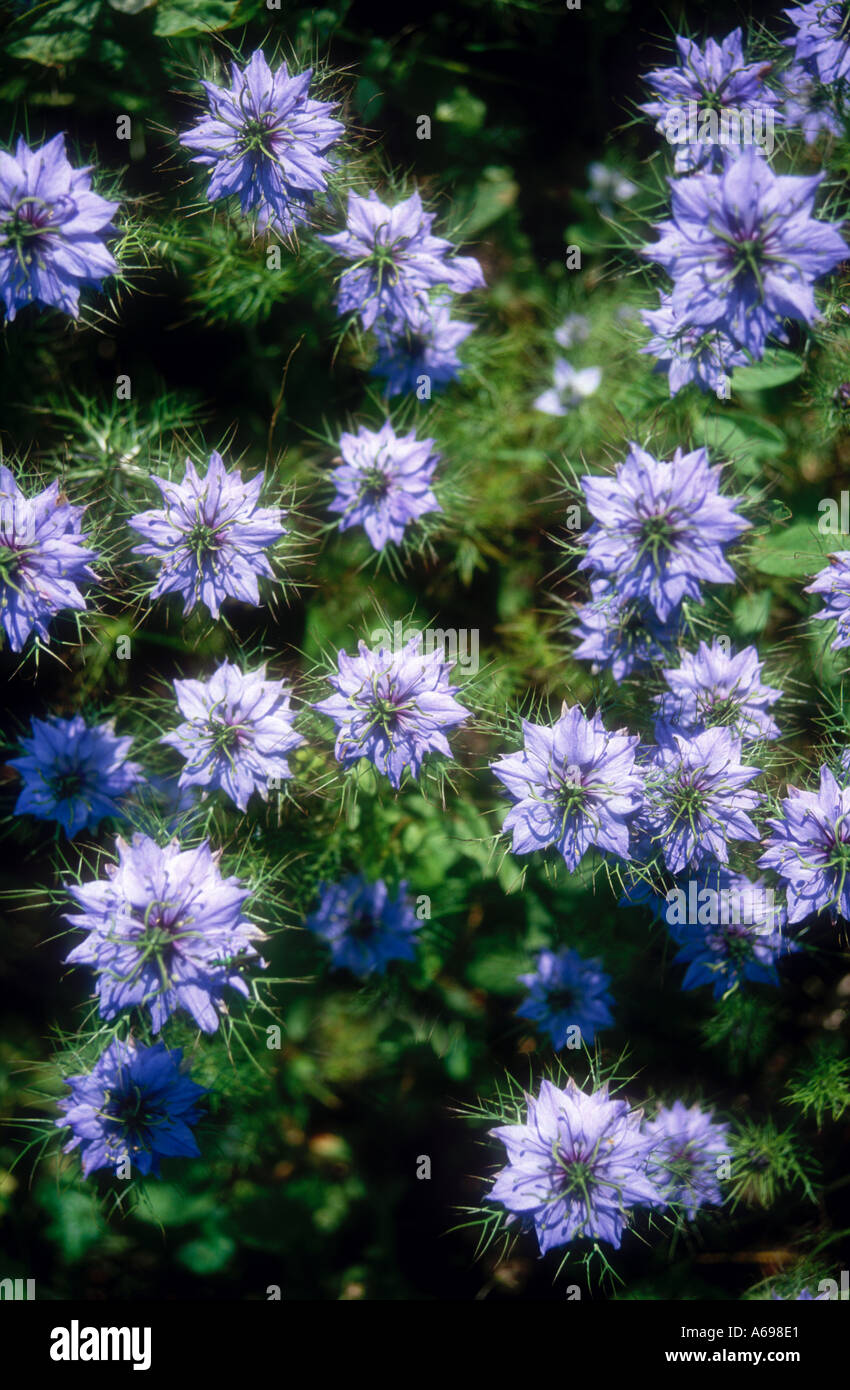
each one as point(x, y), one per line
point(810, 849)
point(728, 930)
point(697, 798)
point(834, 583)
point(74, 773)
point(165, 932)
point(571, 386)
point(661, 528)
point(622, 635)
point(210, 538)
point(809, 106)
point(821, 40)
point(237, 732)
point(743, 250)
point(392, 708)
point(574, 785)
point(713, 686)
point(135, 1106)
point(687, 1146)
point(265, 140)
point(718, 81)
point(384, 482)
point(364, 925)
point(567, 991)
point(576, 1167)
point(690, 353)
point(425, 347)
point(396, 261)
point(43, 559)
point(52, 228)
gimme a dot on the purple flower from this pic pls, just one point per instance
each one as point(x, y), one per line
point(728, 930)
point(165, 931)
point(42, 559)
point(572, 385)
point(805, 1295)
point(265, 141)
point(395, 262)
point(719, 84)
point(567, 992)
point(237, 732)
point(364, 926)
point(697, 798)
point(384, 482)
point(51, 229)
point(821, 39)
point(713, 686)
point(661, 528)
point(809, 106)
point(690, 353)
point(576, 1166)
point(574, 329)
point(134, 1107)
point(810, 849)
point(210, 538)
point(834, 583)
point(425, 347)
point(392, 709)
point(743, 250)
point(687, 1146)
point(622, 635)
point(74, 773)
point(574, 785)
point(607, 187)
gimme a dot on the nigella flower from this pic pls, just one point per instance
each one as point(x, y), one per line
point(622, 635)
point(384, 482)
point(52, 228)
point(424, 347)
point(396, 261)
point(661, 528)
point(805, 1296)
point(392, 708)
point(697, 798)
point(728, 929)
point(567, 991)
point(210, 538)
point(364, 925)
point(265, 140)
point(576, 1166)
point(720, 86)
point(715, 686)
point(572, 385)
point(574, 785)
point(43, 558)
point(237, 733)
point(810, 106)
point(821, 40)
point(608, 186)
point(834, 583)
point(574, 329)
point(687, 1146)
point(743, 250)
point(135, 1106)
point(74, 773)
point(810, 849)
point(689, 353)
point(165, 932)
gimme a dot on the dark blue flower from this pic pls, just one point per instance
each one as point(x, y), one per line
point(424, 350)
point(567, 992)
point(265, 140)
point(134, 1107)
point(74, 773)
point(52, 229)
point(364, 925)
point(728, 930)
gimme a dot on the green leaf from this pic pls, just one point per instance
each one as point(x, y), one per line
point(208, 1254)
point(175, 17)
point(751, 612)
point(742, 438)
point(775, 369)
point(797, 550)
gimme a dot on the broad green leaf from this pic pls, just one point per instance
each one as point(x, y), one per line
point(797, 550)
point(775, 369)
point(175, 17)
